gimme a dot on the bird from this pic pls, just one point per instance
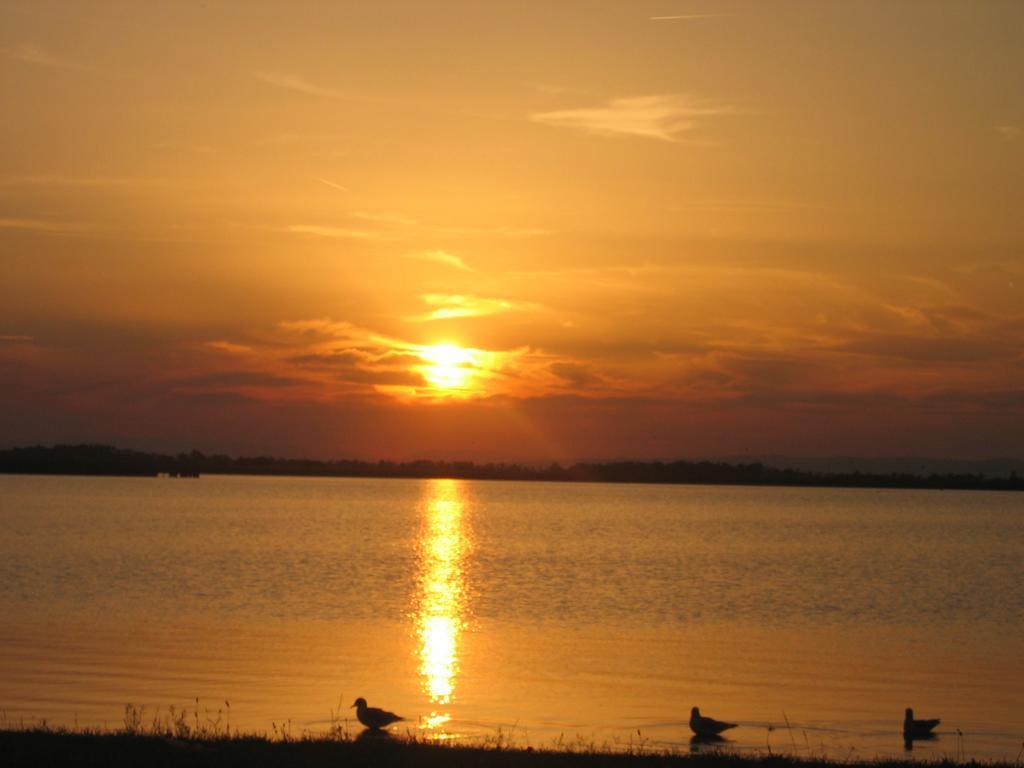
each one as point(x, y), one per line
point(372, 717)
point(917, 729)
point(707, 726)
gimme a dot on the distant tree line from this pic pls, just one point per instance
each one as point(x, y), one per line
point(108, 460)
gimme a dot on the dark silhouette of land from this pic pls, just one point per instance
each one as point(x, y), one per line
point(107, 460)
point(55, 748)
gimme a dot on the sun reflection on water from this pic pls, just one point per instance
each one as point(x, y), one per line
point(441, 606)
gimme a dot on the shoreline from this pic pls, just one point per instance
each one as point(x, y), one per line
point(926, 484)
point(108, 461)
point(39, 747)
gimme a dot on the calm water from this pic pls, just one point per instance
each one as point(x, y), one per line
point(546, 612)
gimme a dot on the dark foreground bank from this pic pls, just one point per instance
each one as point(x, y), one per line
point(47, 748)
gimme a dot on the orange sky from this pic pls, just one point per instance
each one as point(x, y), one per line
point(642, 229)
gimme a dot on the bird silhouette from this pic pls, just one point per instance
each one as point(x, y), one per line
point(917, 729)
point(372, 717)
point(706, 727)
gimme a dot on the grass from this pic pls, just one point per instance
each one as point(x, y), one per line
point(182, 738)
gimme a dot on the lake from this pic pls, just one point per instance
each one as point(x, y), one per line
point(539, 614)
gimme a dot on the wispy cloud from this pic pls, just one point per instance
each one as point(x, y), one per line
point(299, 85)
point(241, 379)
point(746, 205)
point(385, 218)
point(14, 338)
point(230, 347)
point(322, 326)
point(1009, 132)
point(456, 305)
point(441, 257)
point(394, 227)
point(44, 226)
point(550, 89)
point(510, 232)
point(665, 117)
point(302, 138)
point(576, 375)
point(341, 233)
point(412, 225)
point(348, 358)
point(29, 53)
point(334, 185)
point(688, 16)
point(58, 180)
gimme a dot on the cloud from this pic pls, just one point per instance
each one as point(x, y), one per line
point(441, 257)
point(299, 85)
point(44, 226)
point(405, 222)
point(387, 377)
point(1008, 132)
point(230, 379)
point(663, 117)
point(385, 218)
point(33, 54)
point(390, 226)
point(323, 326)
point(550, 89)
point(575, 375)
point(220, 400)
point(365, 365)
point(330, 183)
point(510, 232)
point(229, 347)
point(372, 354)
point(342, 233)
point(688, 16)
point(364, 361)
point(303, 138)
point(316, 359)
point(929, 349)
point(14, 338)
point(340, 357)
point(57, 180)
point(456, 305)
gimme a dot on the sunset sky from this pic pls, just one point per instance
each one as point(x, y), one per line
point(530, 231)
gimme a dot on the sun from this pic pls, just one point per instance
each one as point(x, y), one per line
point(449, 367)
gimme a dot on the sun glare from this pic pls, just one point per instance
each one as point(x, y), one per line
point(440, 616)
point(449, 367)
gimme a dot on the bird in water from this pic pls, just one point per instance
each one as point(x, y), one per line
point(372, 717)
point(706, 727)
point(917, 729)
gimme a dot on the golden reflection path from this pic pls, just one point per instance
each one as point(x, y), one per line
point(441, 606)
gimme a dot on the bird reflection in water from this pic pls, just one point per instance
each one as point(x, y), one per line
point(440, 612)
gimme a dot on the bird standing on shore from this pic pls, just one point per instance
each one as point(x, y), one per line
point(372, 717)
point(917, 729)
point(706, 727)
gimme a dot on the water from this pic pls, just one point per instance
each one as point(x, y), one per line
point(536, 612)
